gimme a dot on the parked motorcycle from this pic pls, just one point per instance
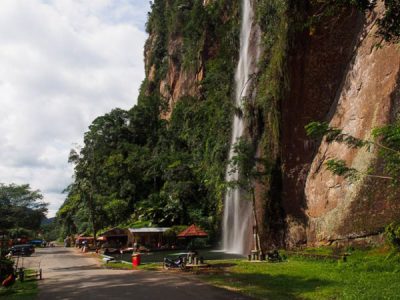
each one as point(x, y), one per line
point(174, 263)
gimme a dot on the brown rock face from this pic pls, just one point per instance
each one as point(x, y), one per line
point(179, 81)
point(337, 74)
point(366, 100)
point(317, 65)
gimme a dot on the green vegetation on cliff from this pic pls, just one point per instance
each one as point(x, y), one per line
point(135, 165)
point(139, 167)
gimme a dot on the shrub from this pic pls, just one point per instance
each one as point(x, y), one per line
point(6, 268)
point(392, 233)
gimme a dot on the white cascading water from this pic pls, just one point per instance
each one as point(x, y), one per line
point(237, 219)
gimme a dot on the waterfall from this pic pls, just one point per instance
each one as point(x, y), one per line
point(237, 219)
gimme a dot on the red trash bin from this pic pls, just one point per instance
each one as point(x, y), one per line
point(135, 259)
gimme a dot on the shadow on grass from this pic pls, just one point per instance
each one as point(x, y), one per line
point(223, 265)
point(76, 268)
point(270, 286)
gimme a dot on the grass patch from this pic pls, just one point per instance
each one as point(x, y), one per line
point(26, 290)
point(151, 267)
point(126, 266)
point(117, 265)
point(372, 274)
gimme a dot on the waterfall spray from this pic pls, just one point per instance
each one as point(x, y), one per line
point(237, 219)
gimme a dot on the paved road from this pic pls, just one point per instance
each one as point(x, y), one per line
point(72, 275)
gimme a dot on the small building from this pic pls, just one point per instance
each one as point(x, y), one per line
point(116, 237)
point(152, 237)
point(81, 241)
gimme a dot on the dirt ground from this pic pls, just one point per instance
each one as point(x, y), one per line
point(68, 274)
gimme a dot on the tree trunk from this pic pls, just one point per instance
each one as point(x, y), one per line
point(257, 241)
point(93, 216)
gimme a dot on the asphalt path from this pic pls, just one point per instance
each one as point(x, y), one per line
point(68, 274)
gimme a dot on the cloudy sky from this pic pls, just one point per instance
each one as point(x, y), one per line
point(62, 63)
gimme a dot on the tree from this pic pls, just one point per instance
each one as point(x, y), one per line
point(385, 139)
point(83, 188)
point(129, 160)
point(50, 231)
point(245, 163)
point(110, 169)
point(66, 215)
point(21, 207)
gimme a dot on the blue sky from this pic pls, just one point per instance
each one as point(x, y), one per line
point(62, 63)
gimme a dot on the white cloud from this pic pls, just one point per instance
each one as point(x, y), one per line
point(62, 63)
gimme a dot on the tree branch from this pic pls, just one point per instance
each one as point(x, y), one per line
point(379, 176)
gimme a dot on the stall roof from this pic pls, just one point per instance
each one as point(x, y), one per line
point(116, 232)
point(80, 238)
point(193, 231)
point(149, 230)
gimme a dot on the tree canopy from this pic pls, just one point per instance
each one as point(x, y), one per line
point(137, 168)
point(21, 207)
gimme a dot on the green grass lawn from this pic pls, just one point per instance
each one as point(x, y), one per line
point(117, 265)
point(128, 266)
point(372, 274)
point(26, 290)
point(366, 275)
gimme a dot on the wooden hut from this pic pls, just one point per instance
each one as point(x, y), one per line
point(116, 238)
point(151, 238)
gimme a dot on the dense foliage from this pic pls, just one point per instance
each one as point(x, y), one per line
point(21, 208)
point(21, 213)
point(136, 168)
point(392, 232)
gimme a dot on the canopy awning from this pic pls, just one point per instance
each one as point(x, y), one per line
point(192, 231)
point(116, 232)
point(149, 230)
point(82, 238)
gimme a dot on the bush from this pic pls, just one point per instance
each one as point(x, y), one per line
point(6, 268)
point(392, 233)
point(174, 231)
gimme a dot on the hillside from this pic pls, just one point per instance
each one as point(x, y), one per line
point(164, 162)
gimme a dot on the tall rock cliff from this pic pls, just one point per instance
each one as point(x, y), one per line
point(368, 97)
point(314, 66)
point(190, 59)
point(337, 73)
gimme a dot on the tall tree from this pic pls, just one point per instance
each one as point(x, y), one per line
point(245, 162)
point(21, 207)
